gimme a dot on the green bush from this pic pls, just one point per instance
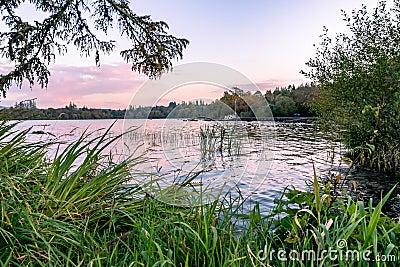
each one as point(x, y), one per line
point(357, 74)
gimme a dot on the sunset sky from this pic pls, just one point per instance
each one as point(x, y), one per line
point(268, 41)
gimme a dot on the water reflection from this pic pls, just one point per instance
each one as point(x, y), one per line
point(220, 154)
point(296, 147)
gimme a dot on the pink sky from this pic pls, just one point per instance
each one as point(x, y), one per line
point(110, 86)
point(268, 41)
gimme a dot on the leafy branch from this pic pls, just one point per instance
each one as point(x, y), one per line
point(32, 47)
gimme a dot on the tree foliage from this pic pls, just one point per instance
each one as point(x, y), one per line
point(286, 101)
point(283, 102)
point(358, 76)
point(32, 46)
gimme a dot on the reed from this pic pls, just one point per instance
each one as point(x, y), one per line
point(219, 139)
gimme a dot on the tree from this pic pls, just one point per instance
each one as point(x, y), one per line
point(359, 90)
point(304, 95)
point(32, 46)
point(284, 106)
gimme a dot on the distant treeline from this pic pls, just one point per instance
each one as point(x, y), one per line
point(27, 110)
point(283, 102)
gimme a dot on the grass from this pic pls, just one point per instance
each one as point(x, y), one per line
point(78, 209)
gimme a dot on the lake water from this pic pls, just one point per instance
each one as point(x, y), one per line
point(261, 158)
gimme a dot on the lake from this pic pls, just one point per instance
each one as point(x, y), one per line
point(261, 158)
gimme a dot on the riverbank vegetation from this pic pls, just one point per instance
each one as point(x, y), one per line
point(283, 102)
point(78, 209)
point(27, 110)
point(358, 78)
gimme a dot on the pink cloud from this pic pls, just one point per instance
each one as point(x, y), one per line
point(272, 84)
point(110, 86)
point(267, 85)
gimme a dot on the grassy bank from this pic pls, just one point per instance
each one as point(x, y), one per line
point(56, 212)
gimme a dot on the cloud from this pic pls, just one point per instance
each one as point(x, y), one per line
point(270, 84)
point(110, 86)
